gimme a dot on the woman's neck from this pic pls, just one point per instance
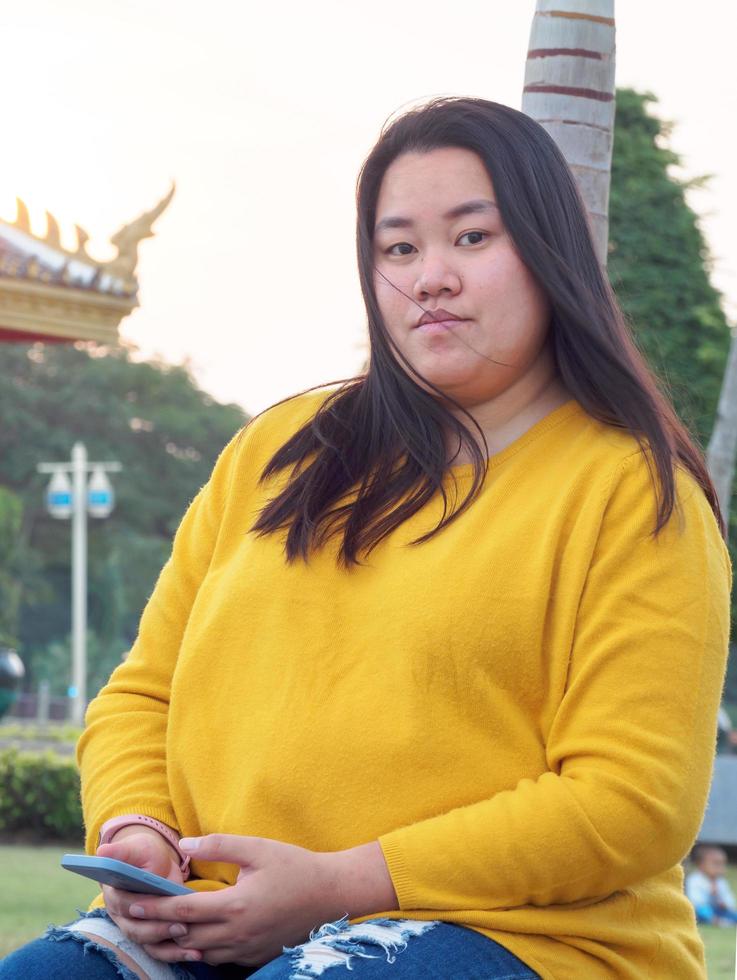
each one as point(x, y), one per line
point(504, 419)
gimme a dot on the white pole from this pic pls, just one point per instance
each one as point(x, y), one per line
point(79, 582)
point(78, 508)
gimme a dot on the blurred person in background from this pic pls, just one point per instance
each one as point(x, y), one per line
point(708, 889)
point(726, 734)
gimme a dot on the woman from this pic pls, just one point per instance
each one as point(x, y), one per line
point(439, 651)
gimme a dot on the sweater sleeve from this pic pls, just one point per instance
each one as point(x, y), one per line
point(122, 751)
point(631, 747)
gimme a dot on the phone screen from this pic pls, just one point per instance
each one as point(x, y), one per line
point(108, 871)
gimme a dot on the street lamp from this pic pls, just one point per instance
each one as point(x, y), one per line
point(76, 498)
point(100, 494)
point(59, 495)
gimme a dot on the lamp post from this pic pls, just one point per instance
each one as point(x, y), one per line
point(12, 673)
point(74, 499)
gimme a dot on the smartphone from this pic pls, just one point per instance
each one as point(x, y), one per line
point(108, 871)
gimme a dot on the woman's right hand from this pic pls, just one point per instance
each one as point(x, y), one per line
point(147, 849)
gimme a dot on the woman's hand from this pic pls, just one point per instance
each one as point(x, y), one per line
point(145, 848)
point(281, 893)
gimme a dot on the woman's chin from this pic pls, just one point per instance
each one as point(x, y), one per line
point(454, 384)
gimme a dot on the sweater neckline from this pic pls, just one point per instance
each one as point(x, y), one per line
point(544, 425)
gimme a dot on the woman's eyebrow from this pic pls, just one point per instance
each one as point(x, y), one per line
point(468, 207)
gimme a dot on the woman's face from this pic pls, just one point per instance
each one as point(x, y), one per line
point(441, 252)
point(714, 863)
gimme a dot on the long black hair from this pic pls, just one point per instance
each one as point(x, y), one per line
point(377, 449)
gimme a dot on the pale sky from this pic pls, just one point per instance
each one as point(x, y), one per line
point(263, 114)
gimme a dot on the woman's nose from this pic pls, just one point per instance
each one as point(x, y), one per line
point(436, 277)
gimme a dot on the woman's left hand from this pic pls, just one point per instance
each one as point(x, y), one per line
point(282, 892)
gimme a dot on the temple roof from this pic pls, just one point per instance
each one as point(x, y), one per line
point(48, 292)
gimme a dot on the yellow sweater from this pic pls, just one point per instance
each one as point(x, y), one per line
point(521, 710)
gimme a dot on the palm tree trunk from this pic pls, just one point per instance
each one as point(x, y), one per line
point(721, 453)
point(569, 89)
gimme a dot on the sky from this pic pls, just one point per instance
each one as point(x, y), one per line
point(262, 114)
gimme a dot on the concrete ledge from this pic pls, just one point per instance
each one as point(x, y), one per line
point(720, 820)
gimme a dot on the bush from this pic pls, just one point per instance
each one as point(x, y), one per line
point(15, 731)
point(39, 795)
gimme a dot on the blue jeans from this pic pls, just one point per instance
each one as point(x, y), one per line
point(706, 914)
point(391, 949)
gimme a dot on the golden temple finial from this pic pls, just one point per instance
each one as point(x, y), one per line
point(53, 238)
point(82, 239)
point(22, 220)
point(127, 240)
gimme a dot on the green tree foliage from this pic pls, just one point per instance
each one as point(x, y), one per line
point(659, 265)
point(165, 431)
point(11, 512)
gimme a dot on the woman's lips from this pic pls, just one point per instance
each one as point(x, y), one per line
point(439, 326)
point(437, 321)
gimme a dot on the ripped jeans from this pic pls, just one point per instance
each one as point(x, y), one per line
point(400, 949)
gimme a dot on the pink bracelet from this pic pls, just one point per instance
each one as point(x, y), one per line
point(112, 826)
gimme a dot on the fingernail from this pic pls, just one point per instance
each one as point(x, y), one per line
point(191, 956)
point(138, 911)
point(177, 930)
point(189, 843)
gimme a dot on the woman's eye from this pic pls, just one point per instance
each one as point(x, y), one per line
point(472, 237)
point(401, 248)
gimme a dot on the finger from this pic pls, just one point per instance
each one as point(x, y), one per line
point(205, 936)
point(171, 953)
point(223, 954)
point(229, 848)
point(197, 907)
point(145, 933)
point(118, 902)
point(133, 850)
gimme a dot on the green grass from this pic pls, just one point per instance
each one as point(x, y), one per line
point(720, 943)
point(37, 892)
point(719, 952)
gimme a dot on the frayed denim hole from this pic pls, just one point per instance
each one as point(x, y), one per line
point(81, 914)
point(61, 933)
point(335, 943)
point(58, 934)
point(93, 914)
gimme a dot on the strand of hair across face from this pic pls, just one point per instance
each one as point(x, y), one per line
point(478, 353)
